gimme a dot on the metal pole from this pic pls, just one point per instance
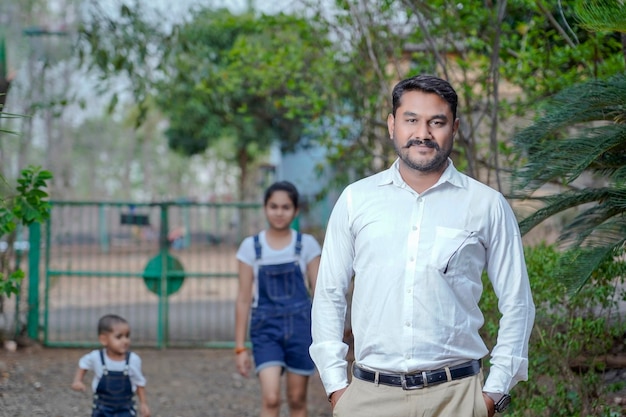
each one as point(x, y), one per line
point(3, 57)
point(34, 255)
point(163, 325)
point(102, 229)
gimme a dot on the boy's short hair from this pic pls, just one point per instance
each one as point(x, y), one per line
point(106, 323)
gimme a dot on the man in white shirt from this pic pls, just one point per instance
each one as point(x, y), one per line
point(416, 238)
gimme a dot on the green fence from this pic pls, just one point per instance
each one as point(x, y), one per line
point(168, 268)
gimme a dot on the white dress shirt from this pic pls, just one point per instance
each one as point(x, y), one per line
point(417, 261)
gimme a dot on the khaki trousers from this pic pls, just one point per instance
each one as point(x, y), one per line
point(458, 398)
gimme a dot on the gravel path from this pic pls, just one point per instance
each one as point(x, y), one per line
point(35, 382)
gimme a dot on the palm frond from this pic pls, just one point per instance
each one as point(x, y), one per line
point(558, 203)
point(602, 15)
point(590, 101)
point(616, 173)
point(5, 115)
point(564, 160)
point(577, 266)
point(599, 225)
point(611, 232)
point(582, 127)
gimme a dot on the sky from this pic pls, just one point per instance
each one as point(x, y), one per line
point(177, 9)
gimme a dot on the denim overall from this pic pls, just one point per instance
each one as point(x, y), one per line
point(280, 325)
point(114, 394)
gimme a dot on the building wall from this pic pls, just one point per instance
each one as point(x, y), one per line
point(300, 169)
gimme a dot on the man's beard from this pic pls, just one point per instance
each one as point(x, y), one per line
point(439, 160)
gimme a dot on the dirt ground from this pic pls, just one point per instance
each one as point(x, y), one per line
point(35, 382)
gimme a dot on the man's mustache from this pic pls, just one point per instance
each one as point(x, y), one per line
point(419, 142)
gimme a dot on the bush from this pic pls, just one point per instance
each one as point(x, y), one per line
point(571, 341)
point(23, 206)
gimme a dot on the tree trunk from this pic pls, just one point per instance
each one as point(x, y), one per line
point(5, 83)
point(243, 159)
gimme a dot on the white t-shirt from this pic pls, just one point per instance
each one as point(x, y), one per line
point(269, 256)
point(91, 362)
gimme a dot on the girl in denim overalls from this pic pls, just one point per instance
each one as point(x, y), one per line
point(277, 272)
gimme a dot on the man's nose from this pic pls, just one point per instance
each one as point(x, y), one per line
point(422, 130)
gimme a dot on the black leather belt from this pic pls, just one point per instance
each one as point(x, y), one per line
point(417, 380)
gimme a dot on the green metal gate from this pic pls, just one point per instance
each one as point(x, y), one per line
point(168, 268)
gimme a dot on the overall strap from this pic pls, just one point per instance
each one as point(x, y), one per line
point(298, 244)
point(105, 371)
point(257, 247)
point(127, 366)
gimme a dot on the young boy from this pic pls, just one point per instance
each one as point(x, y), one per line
point(117, 372)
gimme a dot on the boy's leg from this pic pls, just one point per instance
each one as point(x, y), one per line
point(270, 390)
point(296, 394)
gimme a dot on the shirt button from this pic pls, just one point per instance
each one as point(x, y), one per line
point(414, 227)
point(407, 356)
point(408, 290)
point(412, 259)
point(407, 324)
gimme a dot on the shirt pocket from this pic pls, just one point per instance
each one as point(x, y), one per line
point(448, 248)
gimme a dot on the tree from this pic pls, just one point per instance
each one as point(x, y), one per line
point(582, 132)
point(250, 79)
point(125, 47)
point(369, 56)
point(20, 206)
point(255, 79)
point(39, 66)
point(22, 203)
point(502, 56)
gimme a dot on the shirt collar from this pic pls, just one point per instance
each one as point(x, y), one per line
point(392, 176)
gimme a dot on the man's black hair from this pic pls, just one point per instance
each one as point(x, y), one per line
point(426, 84)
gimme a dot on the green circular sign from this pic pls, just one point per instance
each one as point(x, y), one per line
point(174, 274)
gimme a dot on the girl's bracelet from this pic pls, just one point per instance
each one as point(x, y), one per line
point(239, 350)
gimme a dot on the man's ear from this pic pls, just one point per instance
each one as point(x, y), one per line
point(390, 125)
point(457, 123)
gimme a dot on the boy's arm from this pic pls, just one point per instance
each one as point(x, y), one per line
point(77, 384)
point(143, 404)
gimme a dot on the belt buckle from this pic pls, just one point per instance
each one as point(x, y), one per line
point(406, 387)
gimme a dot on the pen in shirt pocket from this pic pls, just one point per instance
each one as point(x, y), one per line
point(445, 270)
